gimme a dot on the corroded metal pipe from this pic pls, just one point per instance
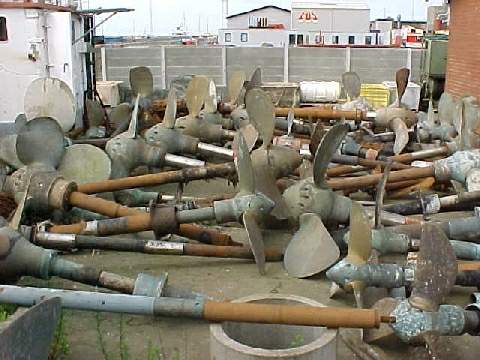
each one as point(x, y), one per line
point(420, 155)
point(154, 247)
point(294, 315)
point(322, 113)
point(184, 175)
point(368, 165)
point(114, 210)
point(167, 220)
point(355, 160)
point(371, 180)
point(216, 311)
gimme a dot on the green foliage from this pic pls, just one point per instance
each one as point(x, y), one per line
point(60, 348)
point(124, 352)
point(101, 340)
point(6, 310)
point(297, 341)
point(154, 352)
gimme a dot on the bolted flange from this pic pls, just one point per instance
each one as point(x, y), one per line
point(164, 220)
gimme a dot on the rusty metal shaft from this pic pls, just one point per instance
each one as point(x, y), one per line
point(422, 154)
point(372, 180)
point(322, 113)
point(294, 315)
point(359, 164)
point(330, 317)
point(154, 247)
point(184, 175)
point(114, 210)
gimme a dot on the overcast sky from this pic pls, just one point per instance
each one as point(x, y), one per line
point(206, 14)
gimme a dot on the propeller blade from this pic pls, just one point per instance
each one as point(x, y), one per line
point(255, 239)
point(435, 271)
point(7, 151)
point(95, 113)
point(16, 219)
point(131, 133)
point(290, 118)
point(430, 114)
point(266, 184)
point(83, 163)
point(380, 194)
point(20, 122)
point(141, 81)
point(235, 86)
point(316, 138)
point(325, 151)
point(120, 118)
point(211, 99)
point(383, 334)
point(437, 348)
point(255, 80)
point(250, 134)
point(171, 110)
point(41, 141)
point(51, 97)
point(196, 94)
point(360, 240)
point(402, 77)
point(311, 250)
point(352, 85)
point(401, 135)
point(358, 288)
point(261, 114)
point(243, 163)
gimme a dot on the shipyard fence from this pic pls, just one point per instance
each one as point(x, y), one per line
point(289, 64)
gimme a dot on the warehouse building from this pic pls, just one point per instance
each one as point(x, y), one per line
point(308, 23)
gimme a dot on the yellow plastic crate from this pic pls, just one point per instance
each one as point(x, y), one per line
point(377, 95)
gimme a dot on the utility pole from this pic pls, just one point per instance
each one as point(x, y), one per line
point(151, 17)
point(224, 13)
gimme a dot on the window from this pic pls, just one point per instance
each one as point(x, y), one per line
point(351, 40)
point(335, 40)
point(228, 37)
point(299, 39)
point(244, 37)
point(3, 29)
point(291, 39)
point(368, 40)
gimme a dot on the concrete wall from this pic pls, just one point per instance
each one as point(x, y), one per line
point(373, 65)
point(273, 15)
point(248, 59)
point(311, 64)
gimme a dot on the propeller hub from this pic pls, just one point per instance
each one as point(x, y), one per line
point(233, 209)
point(412, 324)
point(305, 197)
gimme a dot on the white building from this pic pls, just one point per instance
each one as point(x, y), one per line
point(272, 14)
point(308, 23)
point(268, 25)
point(38, 40)
point(319, 23)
